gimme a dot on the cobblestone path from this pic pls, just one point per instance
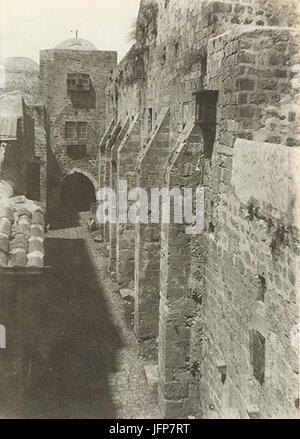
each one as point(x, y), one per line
point(93, 369)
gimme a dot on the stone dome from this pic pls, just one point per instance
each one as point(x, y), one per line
point(76, 44)
point(20, 64)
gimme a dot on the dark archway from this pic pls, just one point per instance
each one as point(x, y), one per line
point(77, 193)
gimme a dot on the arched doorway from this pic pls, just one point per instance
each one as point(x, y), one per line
point(77, 193)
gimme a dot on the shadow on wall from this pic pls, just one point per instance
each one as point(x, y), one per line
point(75, 341)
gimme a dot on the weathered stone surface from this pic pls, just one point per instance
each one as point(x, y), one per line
point(256, 179)
point(127, 293)
point(152, 377)
point(78, 107)
point(239, 275)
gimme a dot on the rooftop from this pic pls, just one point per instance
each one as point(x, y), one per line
point(11, 109)
point(76, 44)
point(8, 127)
point(11, 103)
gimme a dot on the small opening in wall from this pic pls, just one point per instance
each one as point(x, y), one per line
point(176, 48)
point(223, 372)
point(297, 403)
point(203, 62)
point(262, 288)
point(206, 118)
point(167, 3)
point(150, 120)
point(211, 226)
point(164, 56)
point(257, 355)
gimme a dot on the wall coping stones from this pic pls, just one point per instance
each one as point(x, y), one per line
point(22, 233)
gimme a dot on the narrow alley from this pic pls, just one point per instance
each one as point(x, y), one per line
point(150, 211)
point(87, 365)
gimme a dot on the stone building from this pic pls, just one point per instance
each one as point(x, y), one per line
point(73, 79)
point(21, 241)
point(23, 134)
point(21, 73)
point(50, 126)
point(207, 96)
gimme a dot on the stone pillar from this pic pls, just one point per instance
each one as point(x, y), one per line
point(107, 158)
point(101, 153)
point(177, 305)
point(113, 185)
point(127, 157)
point(146, 303)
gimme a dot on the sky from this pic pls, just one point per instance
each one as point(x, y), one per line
point(27, 26)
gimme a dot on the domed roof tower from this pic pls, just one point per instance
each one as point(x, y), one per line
point(21, 74)
point(76, 44)
point(20, 64)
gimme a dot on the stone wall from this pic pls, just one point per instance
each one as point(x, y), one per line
point(224, 304)
point(250, 291)
point(41, 148)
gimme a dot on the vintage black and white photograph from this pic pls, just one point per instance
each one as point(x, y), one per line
point(149, 211)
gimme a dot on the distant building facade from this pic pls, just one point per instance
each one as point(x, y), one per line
point(20, 73)
point(73, 80)
point(24, 144)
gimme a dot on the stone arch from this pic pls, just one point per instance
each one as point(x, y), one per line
point(87, 175)
point(77, 192)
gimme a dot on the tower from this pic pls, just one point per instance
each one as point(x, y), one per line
point(73, 78)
